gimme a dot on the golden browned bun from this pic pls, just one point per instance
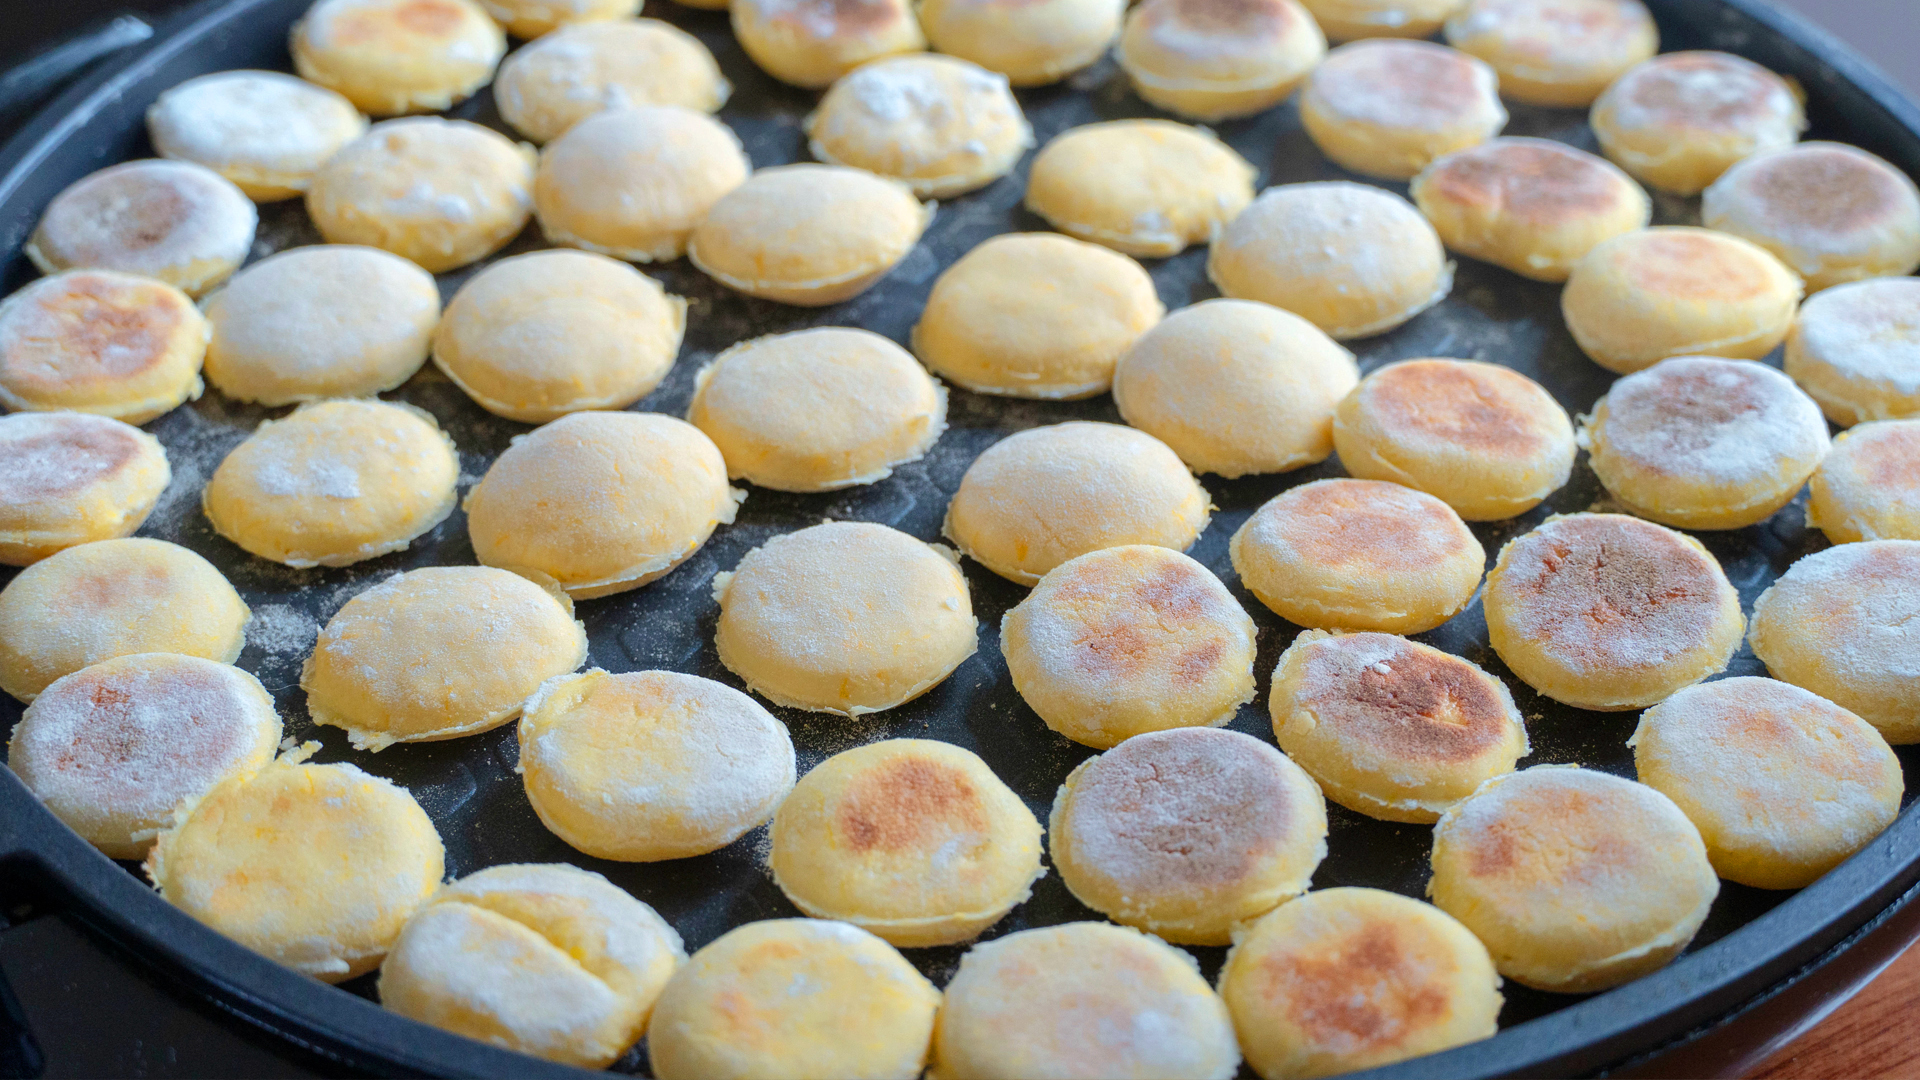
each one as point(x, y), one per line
point(1081, 999)
point(1348, 978)
point(69, 478)
point(1349, 258)
point(1679, 120)
point(1236, 387)
point(1868, 486)
point(1698, 442)
point(1845, 624)
point(1389, 108)
point(577, 71)
point(97, 341)
point(1188, 834)
point(1609, 612)
point(1359, 555)
point(1853, 349)
point(811, 43)
point(1129, 639)
point(1834, 213)
point(1534, 206)
point(938, 124)
point(1644, 296)
point(391, 57)
point(1147, 188)
point(1217, 59)
point(1555, 52)
point(1484, 439)
point(1031, 42)
point(1038, 498)
point(1783, 785)
point(846, 617)
point(1035, 315)
point(1391, 728)
point(176, 221)
point(914, 840)
point(1575, 880)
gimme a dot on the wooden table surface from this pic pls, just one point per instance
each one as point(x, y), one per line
point(1875, 1036)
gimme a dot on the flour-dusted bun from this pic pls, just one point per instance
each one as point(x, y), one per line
point(1679, 120)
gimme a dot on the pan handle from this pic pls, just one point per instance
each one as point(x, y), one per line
point(32, 80)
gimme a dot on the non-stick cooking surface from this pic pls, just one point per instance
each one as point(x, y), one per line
point(469, 786)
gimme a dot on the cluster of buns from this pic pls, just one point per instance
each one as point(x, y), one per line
point(142, 735)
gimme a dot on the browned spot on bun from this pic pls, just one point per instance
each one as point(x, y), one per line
point(1114, 605)
point(902, 802)
point(433, 18)
point(54, 463)
point(154, 727)
point(1365, 988)
point(1700, 90)
point(1477, 407)
point(1824, 188)
point(1612, 591)
point(838, 18)
point(1534, 182)
point(1258, 19)
point(1890, 458)
point(1693, 265)
point(1367, 523)
point(1410, 702)
point(1400, 83)
point(91, 328)
point(1557, 832)
point(1181, 809)
point(1670, 418)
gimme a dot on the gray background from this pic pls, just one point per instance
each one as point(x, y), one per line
point(1887, 32)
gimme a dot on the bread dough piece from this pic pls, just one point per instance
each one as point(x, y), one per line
point(1484, 439)
point(100, 342)
point(810, 43)
point(1640, 298)
point(1236, 387)
point(326, 321)
point(334, 484)
point(914, 840)
point(1353, 260)
point(1391, 728)
point(1042, 496)
point(546, 959)
point(864, 1012)
point(1701, 443)
point(1555, 52)
point(175, 221)
point(940, 125)
point(1082, 999)
point(1031, 42)
point(316, 867)
point(633, 182)
point(1035, 315)
point(109, 598)
point(437, 653)
point(1147, 188)
point(1845, 624)
point(809, 235)
point(818, 410)
point(1679, 120)
point(1359, 555)
point(537, 336)
point(1832, 212)
point(1214, 61)
point(1783, 785)
point(1126, 640)
point(1855, 349)
point(1867, 488)
point(601, 502)
point(1348, 20)
point(1575, 880)
point(651, 765)
point(1533, 206)
point(1389, 108)
point(443, 193)
point(69, 478)
point(1610, 613)
point(528, 19)
point(1345, 979)
point(846, 617)
point(112, 749)
point(1188, 834)
point(266, 132)
point(577, 71)
point(391, 57)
